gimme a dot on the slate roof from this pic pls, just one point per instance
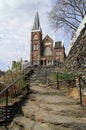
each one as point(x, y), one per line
point(58, 45)
point(36, 25)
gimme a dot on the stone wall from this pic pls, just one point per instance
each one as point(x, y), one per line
point(76, 60)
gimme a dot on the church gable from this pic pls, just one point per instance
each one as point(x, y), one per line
point(48, 39)
point(48, 49)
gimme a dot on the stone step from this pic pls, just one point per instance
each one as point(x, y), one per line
point(23, 123)
point(46, 114)
point(50, 109)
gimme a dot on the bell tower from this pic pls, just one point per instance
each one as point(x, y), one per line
point(36, 39)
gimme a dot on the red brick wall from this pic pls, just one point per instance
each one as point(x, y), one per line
point(35, 45)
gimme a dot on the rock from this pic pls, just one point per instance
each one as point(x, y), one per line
point(22, 123)
point(49, 109)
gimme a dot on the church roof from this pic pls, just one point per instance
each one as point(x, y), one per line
point(48, 38)
point(36, 24)
point(58, 45)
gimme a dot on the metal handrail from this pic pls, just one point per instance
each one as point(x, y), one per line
point(5, 90)
point(84, 81)
point(80, 87)
point(13, 83)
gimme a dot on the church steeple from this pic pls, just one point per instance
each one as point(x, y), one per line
point(36, 40)
point(36, 24)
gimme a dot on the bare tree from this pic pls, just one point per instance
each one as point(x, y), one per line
point(67, 14)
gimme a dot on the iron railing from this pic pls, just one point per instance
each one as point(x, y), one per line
point(5, 91)
point(82, 86)
point(58, 78)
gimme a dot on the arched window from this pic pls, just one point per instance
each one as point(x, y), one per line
point(35, 47)
point(47, 51)
point(35, 37)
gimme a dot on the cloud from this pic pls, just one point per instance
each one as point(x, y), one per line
point(3, 66)
point(16, 19)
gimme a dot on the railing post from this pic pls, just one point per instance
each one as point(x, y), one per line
point(80, 92)
point(46, 76)
point(47, 80)
point(57, 81)
point(6, 105)
point(28, 83)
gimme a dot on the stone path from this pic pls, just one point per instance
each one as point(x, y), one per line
point(49, 109)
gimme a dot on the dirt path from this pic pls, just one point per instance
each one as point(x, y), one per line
point(49, 109)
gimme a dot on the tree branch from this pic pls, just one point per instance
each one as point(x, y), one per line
point(68, 13)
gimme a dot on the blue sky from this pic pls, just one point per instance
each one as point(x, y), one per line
point(16, 20)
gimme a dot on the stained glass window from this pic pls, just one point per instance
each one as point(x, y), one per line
point(47, 51)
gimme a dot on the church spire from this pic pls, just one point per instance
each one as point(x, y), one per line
point(36, 24)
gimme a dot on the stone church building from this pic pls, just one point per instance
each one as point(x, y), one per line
point(45, 51)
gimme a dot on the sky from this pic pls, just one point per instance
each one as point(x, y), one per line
point(16, 20)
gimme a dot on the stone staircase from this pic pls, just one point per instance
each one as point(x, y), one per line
point(47, 108)
point(40, 75)
point(50, 109)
